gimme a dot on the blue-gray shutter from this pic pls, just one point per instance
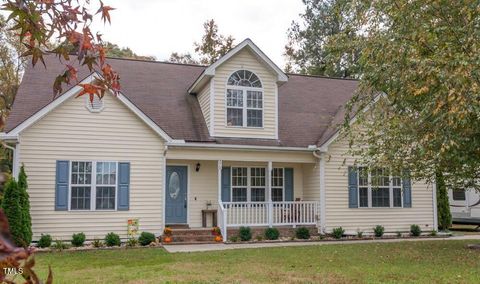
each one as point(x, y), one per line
point(226, 184)
point(352, 187)
point(61, 186)
point(407, 190)
point(123, 198)
point(288, 184)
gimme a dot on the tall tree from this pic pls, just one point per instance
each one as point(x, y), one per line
point(420, 64)
point(212, 46)
point(183, 58)
point(12, 65)
point(114, 50)
point(307, 49)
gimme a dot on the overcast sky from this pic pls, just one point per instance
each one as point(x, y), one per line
point(160, 27)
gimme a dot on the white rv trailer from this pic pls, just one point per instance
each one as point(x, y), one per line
point(465, 206)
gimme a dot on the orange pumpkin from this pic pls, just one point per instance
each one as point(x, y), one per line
point(218, 239)
point(167, 239)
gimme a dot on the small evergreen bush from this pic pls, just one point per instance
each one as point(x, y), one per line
point(259, 238)
point(433, 233)
point(78, 239)
point(338, 232)
point(245, 234)
point(379, 230)
point(112, 239)
point(146, 238)
point(302, 233)
point(234, 239)
point(272, 234)
point(415, 230)
point(45, 241)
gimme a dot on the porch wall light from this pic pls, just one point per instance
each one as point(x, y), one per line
point(197, 168)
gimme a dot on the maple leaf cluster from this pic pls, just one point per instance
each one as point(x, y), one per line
point(39, 22)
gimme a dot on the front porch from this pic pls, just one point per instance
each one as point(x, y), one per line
point(246, 193)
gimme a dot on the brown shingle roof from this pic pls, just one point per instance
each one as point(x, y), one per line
point(307, 104)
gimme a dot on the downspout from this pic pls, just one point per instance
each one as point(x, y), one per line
point(320, 155)
point(15, 156)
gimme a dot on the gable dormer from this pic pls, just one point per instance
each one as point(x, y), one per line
point(238, 94)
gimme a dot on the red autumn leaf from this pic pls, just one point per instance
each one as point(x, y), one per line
point(105, 10)
point(72, 73)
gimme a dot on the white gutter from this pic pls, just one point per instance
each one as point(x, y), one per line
point(239, 147)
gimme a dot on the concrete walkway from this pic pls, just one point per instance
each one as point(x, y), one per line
point(215, 247)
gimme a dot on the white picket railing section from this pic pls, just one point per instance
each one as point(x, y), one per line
point(270, 214)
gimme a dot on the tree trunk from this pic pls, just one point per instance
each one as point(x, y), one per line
point(443, 206)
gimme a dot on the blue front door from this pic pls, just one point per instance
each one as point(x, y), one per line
point(176, 195)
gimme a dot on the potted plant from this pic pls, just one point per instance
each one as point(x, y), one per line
point(217, 233)
point(167, 235)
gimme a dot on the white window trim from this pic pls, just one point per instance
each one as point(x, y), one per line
point(369, 186)
point(244, 90)
point(249, 187)
point(283, 184)
point(93, 187)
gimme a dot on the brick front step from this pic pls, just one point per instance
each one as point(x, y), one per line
point(192, 236)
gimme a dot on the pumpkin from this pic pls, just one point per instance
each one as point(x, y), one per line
point(167, 239)
point(218, 239)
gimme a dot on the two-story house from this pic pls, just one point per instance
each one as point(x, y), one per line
point(241, 138)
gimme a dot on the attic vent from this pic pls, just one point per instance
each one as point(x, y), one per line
point(96, 105)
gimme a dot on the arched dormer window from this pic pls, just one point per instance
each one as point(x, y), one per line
point(244, 100)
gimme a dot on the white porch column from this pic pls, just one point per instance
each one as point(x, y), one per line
point(322, 193)
point(269, 194)
point(219, 178)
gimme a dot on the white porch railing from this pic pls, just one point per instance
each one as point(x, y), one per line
point(270, 214)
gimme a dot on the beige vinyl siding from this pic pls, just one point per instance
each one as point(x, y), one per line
point(204, 101)
point(245, 60)
point(71, 132)
point(364, 219)
point(311, 182)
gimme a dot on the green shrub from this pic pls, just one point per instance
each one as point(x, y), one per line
point(338, 232)
point(234, 239)
point(415, 230)
point(272, 234)
point(78, 239)
point(97, 243)
point(13, 211)
point(302, 233)
point(245, 233)
point(258, 238)
point(399, 234)
point(359, 234)
point(25, 207)
point(45, 241)
point(433, 233)
point(112, 239)
point(60, 245)
point(146, 238)
point(132, 242)
point(378, 231)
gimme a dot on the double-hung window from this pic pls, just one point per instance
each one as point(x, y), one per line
point(93, 185)
point(244, 100)
point(249, 184)
point(379, 188)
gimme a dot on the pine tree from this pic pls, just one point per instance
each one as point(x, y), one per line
point(25, 206)
point(443, 206)
point(13, 211)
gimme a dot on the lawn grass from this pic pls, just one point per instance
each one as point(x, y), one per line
point(405, 262)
